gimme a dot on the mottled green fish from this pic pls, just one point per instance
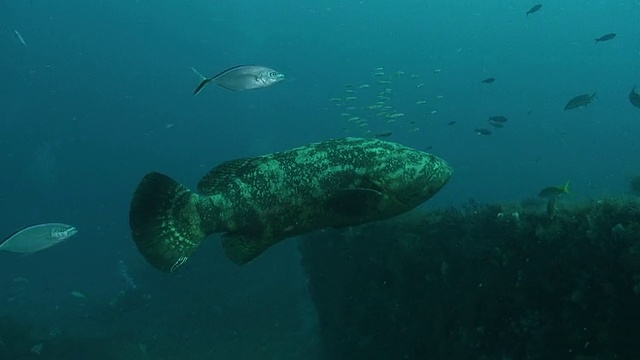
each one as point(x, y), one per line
point(553, 191)
point(258, 202)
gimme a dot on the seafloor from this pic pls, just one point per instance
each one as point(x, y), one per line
point(482, 281)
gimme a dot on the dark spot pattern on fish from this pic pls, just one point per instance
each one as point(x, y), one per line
point(260, 201)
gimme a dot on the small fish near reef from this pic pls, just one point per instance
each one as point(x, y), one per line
point(580, 101)
point(606, 37)
point(37, 237)
point(634, 97)
point(554, 191)
point(383, 134)
point(488, 80)
point(258, 202)
point(535, 8)
point(241, 78)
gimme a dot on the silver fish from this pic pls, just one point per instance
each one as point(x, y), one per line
point(21, 39)
point(241, 77)
point(37, 237)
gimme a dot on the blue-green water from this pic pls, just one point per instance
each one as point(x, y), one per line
point(103, 95)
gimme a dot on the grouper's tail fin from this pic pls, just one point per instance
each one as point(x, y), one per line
point(165, 223)
point(203, 81)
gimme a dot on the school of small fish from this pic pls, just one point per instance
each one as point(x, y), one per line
point(377, 107)
point(371, 108)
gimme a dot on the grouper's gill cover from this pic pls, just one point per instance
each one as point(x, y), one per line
point(260, 201)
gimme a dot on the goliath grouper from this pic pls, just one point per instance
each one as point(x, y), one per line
point(258, 202)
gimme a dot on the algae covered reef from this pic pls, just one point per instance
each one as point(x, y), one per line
point(20, 341)
point(504, 281)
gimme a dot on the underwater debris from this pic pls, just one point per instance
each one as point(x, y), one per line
point(37, 349)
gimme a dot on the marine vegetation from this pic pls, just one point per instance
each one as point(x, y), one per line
point(634, 185)
point(485, 281)
point(19, 341)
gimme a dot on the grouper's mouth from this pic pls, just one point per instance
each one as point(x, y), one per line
point(395, 198)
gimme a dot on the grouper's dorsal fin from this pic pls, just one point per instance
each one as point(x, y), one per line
point(242, 248)
point(217, 180)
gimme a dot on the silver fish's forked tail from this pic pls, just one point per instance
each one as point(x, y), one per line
point(166, 222)
point(203, 81)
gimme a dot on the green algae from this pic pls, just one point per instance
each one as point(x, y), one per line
point(484, 281)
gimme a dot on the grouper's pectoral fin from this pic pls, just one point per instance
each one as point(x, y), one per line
point(355, 203)
point(242, 248)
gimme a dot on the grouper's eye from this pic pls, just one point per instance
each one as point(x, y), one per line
point(273, 74)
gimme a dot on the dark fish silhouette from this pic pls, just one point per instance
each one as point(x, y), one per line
point(452, 122)
point(488, 80)
point(553, 191)
point(498, 119)
point(534, 9)
point(580, 101)
point(258, 202)
point(605, 37)
point(383, 134)
point(634, 97)
point(483, 131)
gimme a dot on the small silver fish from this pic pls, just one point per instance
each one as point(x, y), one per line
point(37, 237)
point(241, 77)
point(21, 39)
